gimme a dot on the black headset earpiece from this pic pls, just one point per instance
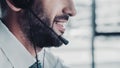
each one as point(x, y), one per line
point(24, 4)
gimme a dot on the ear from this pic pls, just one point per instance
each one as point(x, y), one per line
point(11, 5)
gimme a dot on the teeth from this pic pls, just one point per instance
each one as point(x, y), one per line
point(60, 23)
point(63, 24)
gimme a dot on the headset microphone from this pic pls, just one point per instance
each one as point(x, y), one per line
point(26, 4)
point(63, 40)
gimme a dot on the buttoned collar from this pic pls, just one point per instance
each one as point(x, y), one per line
point(14, 50)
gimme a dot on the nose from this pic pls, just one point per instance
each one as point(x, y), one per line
point(69, 8)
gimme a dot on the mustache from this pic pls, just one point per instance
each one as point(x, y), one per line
point(62, 17)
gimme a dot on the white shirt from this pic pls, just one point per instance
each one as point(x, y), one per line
point(14, 55)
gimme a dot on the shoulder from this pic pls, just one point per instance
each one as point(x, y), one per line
point(4, 62)
point(50, 56)
point(54, 60)
point(1, 54)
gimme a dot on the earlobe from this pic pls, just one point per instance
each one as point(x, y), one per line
point(14, 8)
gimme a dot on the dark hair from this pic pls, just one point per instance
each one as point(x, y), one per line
point(3, 6)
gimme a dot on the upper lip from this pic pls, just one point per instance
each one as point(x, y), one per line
point(60, 20)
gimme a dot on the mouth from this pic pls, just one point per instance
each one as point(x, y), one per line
point(59, 26)
point(60, 23)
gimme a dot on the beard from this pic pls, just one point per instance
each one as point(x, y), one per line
point(38, 34)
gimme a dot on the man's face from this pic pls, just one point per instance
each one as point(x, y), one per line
point(58, 12)
point(54, 13)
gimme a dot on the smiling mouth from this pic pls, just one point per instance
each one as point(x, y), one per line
point(60, 25)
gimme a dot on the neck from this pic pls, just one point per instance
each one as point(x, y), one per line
point(12, 22)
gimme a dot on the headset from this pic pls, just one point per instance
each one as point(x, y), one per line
point(26, 4)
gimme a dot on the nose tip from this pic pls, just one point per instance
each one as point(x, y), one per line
point(73, 12)
point(70, 11)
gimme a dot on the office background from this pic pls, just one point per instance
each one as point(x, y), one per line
point(94, 35)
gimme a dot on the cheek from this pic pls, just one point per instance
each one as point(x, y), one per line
point(52, 8)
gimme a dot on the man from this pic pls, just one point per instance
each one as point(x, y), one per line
point(23, 36)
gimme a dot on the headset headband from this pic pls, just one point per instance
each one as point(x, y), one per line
point(24, 4)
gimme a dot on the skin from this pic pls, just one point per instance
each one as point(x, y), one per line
point(51, 9)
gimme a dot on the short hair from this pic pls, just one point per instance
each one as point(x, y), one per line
point(3, 6)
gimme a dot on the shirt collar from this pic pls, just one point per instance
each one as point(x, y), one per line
point(14, 50)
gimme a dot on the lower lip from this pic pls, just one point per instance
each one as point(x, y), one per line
point(60, 28)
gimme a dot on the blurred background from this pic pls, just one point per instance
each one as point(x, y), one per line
point(94, 35)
